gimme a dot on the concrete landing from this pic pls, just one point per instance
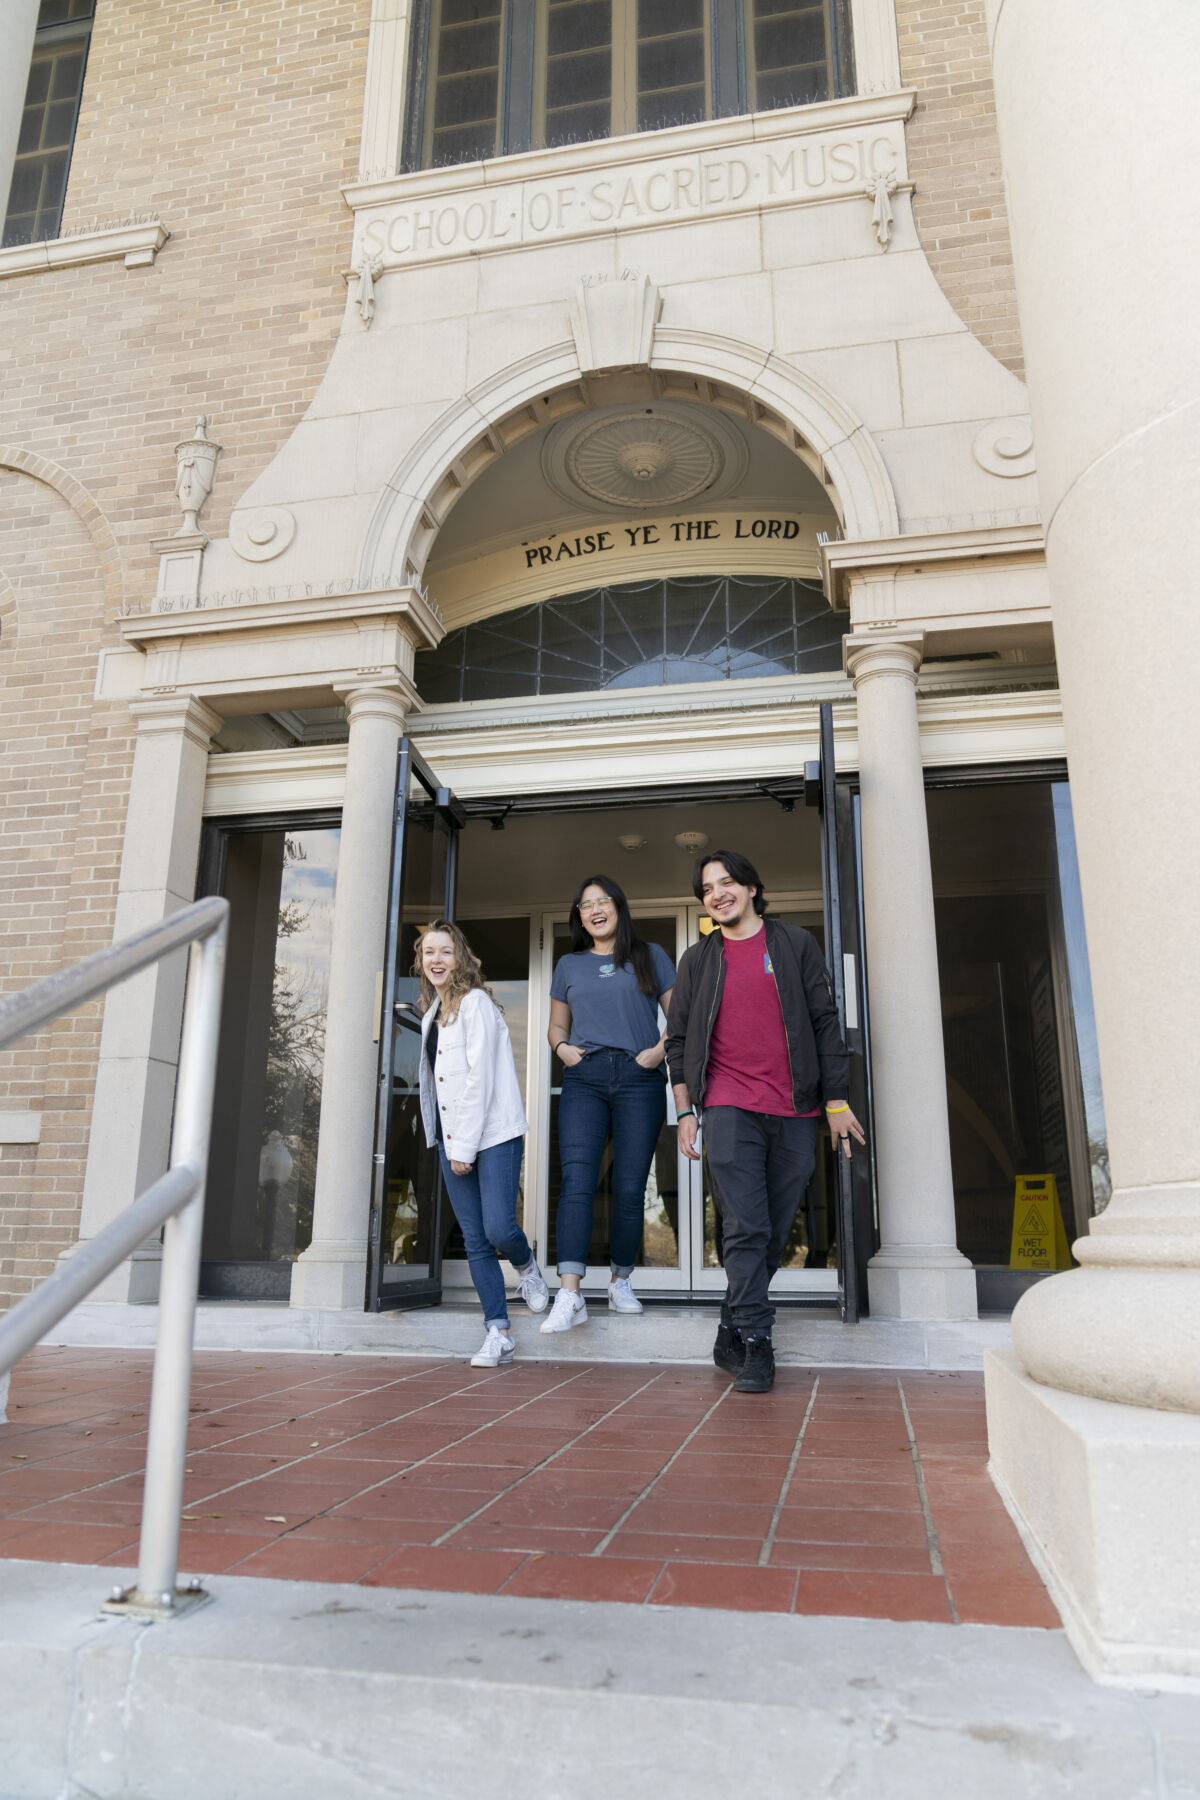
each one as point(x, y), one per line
point(670, 1334)
point(288, 1691)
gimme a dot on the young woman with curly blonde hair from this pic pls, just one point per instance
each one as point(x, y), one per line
point(471, 1109)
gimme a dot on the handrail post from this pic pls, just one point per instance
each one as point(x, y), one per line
point(156, 1594)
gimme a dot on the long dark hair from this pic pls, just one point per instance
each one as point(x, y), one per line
point(628, 948)
point(740, 867)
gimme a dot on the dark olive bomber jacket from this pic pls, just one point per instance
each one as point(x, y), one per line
point(820, 1064)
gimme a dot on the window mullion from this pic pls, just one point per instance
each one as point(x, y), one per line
point(625, 41)
point(727, 49)
point(516, 97)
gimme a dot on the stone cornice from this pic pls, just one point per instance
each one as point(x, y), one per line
point(843, 558)
point(706, 137)
point(146, 630)
point(831, 153)
point(134, 245)
point(956, 730)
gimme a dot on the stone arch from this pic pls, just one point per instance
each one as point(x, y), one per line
point(87, 511)
point(687, 365)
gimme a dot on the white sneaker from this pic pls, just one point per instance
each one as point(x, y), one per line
point(621, 1297)
point(531, 1286)
point(569, 1309)
point(497, 1348)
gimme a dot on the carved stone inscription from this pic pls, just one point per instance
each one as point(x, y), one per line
point(631, 196)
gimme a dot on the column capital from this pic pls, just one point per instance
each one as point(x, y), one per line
point(866, 655)
point(183, 713)
point(391, 701)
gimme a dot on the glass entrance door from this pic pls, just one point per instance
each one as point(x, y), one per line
point(666, 1260)
point(681, 1240)
point(407, 1192)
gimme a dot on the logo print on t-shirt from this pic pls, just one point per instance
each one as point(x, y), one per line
point(768, 965)
point(607, 969)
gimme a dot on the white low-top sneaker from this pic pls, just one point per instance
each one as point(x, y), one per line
point(569, 1309)
point(531, 1285)
point(621, 1297)
point(497, 1348)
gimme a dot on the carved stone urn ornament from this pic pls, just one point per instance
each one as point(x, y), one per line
point(195, 466)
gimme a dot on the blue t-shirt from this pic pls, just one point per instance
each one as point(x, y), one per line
point(608, 1009)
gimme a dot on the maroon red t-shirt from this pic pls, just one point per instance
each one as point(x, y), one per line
point(748, 1064)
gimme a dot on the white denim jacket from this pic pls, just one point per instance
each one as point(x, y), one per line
point(475, 1082)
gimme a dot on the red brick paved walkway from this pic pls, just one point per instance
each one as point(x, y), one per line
point(844, 1491)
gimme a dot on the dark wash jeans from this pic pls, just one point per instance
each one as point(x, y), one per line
point(760, 1166)
point(485, 1205)
point(608, 1094)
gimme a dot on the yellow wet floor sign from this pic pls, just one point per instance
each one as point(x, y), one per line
point(1038, 1238)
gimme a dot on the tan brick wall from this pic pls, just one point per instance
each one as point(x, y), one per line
point(48, 639)
point(237, 126)
point(954, 159)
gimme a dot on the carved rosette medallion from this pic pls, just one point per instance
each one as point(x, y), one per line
point(259, 535)
point(645, 457)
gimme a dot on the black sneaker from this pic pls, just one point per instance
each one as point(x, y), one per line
point(729, 1352)
point(757, 1373)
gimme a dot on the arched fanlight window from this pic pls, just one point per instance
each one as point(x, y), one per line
point(493, 77)
point(640, 634)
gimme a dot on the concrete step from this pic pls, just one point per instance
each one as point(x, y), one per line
point(294, 1691)
point(682, 1334)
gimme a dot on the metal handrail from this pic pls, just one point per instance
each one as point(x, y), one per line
point(175, 1201)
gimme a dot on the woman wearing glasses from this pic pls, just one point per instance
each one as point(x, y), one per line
point(604, 1003)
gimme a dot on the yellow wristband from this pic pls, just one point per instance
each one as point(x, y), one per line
point(836, 1106)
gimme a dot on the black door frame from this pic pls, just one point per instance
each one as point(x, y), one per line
point(427, 1291)
point(853, 1178)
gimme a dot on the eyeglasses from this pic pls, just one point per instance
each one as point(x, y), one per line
point(593, 905)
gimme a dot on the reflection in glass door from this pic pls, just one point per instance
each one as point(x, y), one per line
point(407, 1199)
point(263, 1156)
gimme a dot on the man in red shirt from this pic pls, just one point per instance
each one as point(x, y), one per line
point(753, 1039)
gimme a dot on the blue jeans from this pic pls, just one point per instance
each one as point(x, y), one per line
point(608, 1094)
point(485, 1205)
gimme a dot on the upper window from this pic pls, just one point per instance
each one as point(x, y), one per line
point(494, 77)
point(640, 634)
point(39, 182)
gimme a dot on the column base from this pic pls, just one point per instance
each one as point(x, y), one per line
point(133, 1282)
point(921, 1282)
point(1107, 1498)
point(331, 1277)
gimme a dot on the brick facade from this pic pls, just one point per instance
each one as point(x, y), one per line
point(237, 127)
point(954, 158)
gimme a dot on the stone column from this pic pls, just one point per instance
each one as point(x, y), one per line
point(917, 1272)
point(18, 22)
point(332, 1271)
point(1097, 120)
point(130, 1135)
